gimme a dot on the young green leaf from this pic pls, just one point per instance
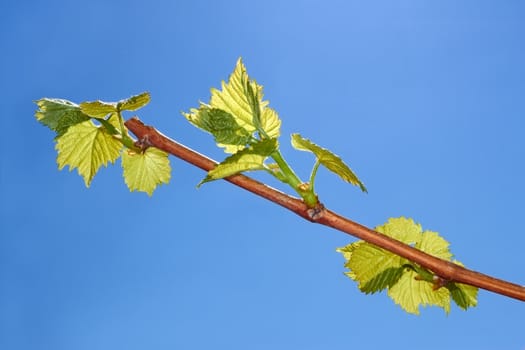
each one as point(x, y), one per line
point(410, 286)
point(410, 293)
point(270, 123)
point(232, 97)
point(374, 268)
point(58, 114)
point(435, 245)
point(243, 99)
point(87, 147)
point(98, 109)
point(134, 102)
point(145, 171)
point(402, 229)
point(247, 159)
point(252, 95)
point(222, 125)
point(348, 250)
point(385, 279)
point(328, 159)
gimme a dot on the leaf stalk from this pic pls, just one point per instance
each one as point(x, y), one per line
point(304, 190)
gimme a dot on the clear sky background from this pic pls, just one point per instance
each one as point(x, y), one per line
point(424, 100)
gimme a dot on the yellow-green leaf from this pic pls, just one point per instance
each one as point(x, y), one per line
point(134, 102)
point(232, 98)
point(222, 125)
point(410, 293)
point(368, 262)
point(145, 171)
point(98, 109)
point(408, 284)
point(87, 147)
point(331, 161)
point(243, 99)
point(58, 114)
point(271, 123)
point(433, 244)
point(402, 229)
point(247, 159)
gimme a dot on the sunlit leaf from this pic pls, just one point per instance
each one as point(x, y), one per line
point(134, 102)
point(410, 293)
point(98, 109)
point(328, 159)
point(348, 250)
point(271, 123)
point(232, 98)
point(251, 92)
point(58, 114)
point(222, 125)
point(247, 159)
point(368, 262)
point(375, 269)
point(435, 245)
point(403, 229)
point(242, 98)
point(382, 280)
point(87, 147)
point(145, 171)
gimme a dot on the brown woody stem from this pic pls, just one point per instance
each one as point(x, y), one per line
point(445, 270)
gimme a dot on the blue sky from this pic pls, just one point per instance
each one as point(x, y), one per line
point(423, 99)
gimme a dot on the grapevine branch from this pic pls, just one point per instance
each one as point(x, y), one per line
point(445, 270)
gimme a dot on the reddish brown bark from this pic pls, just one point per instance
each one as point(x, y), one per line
point(444, 269)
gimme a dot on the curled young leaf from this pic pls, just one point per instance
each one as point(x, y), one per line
point(134, 102)
point(331, 161)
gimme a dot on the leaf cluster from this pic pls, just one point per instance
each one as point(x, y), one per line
point(92, 134)
point(242, 123)
point(409, 285)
